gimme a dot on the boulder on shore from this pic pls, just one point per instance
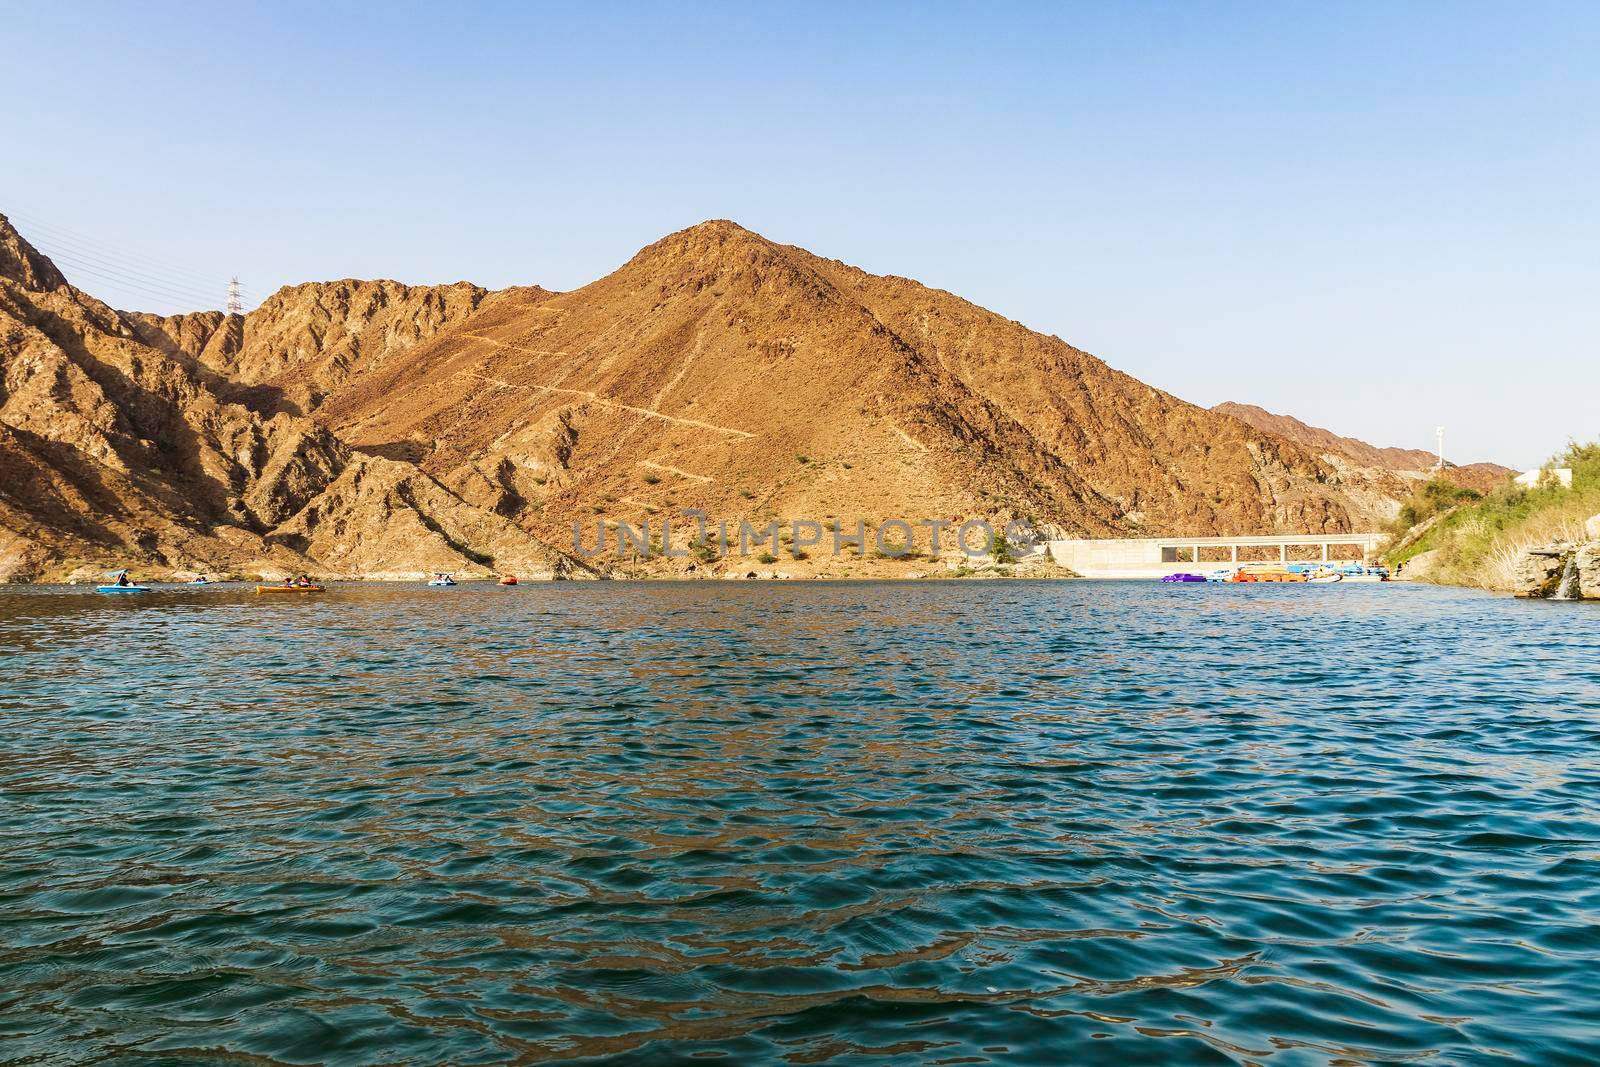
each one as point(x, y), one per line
point(1539, 569)
point(1589, 570)
point(1543, 568)
point(1418, 567)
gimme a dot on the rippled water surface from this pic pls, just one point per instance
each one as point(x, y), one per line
point(791, 823)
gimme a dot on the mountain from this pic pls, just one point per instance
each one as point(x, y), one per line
point(722, 371)
point(121, 443)
point(1413, 462)
point(379, 429)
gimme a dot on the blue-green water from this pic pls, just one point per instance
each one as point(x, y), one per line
point(1027, 823)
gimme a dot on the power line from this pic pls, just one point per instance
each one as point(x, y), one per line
point(67, 255)
point(72, 253)
point(189, 301)
point(185, 288)
point(97, 247)
point(188, 290)
point(76, 265)
point(183, 304)
point(52, 245)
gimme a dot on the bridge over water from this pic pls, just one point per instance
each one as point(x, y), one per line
point(1151, 557)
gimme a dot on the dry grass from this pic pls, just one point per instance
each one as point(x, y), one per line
point(1499, 567)
point(1481, 544)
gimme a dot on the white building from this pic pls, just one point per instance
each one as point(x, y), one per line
point(1531, 479)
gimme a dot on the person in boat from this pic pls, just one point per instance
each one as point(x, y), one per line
point(122, 579)
point(300, 581)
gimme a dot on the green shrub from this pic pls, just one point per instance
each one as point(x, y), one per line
point(1480, 541)
point(1430, 499)
point(1585, 463)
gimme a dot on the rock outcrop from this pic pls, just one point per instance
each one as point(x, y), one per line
point(1560, 570)
point(382, 518)
point(1540, 570)
point(307, 340)
point(1587, 560)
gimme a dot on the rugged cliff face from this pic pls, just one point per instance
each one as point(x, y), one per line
point(381, 429)
point(121, 441)
point(307, 340)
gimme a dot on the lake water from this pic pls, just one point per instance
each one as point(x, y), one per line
point(916, 822)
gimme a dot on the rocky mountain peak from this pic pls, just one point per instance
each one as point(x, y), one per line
point(706, 251)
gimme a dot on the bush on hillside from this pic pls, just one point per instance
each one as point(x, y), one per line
point(1480, 543)
point(1585, 463)
point(1431, 498)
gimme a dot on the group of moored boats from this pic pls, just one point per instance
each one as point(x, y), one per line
point(444, 580)
point(123, 582)
point(1309, 573)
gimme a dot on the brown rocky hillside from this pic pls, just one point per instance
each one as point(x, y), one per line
point(721, 371)
point(120, 445)
point(1408, 462)
point(307, 340)
point(379, 429)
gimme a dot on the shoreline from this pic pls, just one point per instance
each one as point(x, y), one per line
point(887, 569)
point(618, 579)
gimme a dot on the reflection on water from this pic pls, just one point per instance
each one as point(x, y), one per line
point(891, 823)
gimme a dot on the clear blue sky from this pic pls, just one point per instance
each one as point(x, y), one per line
point(1374, 217)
